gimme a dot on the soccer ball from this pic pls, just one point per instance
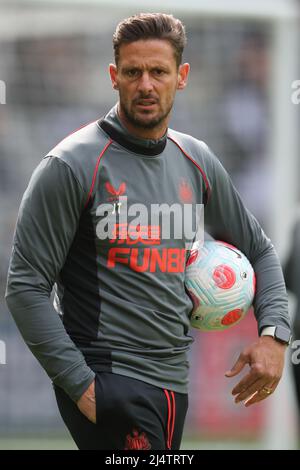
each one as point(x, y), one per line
point(221, 283)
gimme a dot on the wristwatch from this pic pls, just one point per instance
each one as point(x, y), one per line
point(280, 333)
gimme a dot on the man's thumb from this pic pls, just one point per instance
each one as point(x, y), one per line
point(238, 366)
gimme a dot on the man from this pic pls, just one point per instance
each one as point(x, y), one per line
point(118, 359)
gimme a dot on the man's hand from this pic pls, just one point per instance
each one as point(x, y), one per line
point(266, 360)
point(87, 403)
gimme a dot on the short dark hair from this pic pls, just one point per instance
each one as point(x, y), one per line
point(150, 26)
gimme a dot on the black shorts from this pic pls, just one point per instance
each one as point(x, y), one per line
point(130, 414)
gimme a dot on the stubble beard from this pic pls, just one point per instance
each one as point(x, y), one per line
point(142, 124)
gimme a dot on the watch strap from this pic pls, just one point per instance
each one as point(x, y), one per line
point(268, 331)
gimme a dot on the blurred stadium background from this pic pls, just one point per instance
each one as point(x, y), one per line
point(244, 58)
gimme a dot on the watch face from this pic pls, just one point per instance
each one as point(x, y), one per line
point(283, 334)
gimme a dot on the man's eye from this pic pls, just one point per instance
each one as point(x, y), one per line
point(158, 72)
point(132, 73)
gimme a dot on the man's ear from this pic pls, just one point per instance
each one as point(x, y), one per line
point(113, 75)
point(183, 73)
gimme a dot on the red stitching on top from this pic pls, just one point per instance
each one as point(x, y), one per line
point(96, 171)
point(208, 189)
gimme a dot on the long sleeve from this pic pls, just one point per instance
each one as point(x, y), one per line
point(47, 222)
point(229, 220)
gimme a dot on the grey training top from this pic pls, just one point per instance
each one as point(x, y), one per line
point(122, 300)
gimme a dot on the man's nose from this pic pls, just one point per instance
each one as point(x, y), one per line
point(145, 83)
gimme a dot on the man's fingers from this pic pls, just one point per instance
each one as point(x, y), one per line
point(261, 394)
point(256, 373)
point(246, 382)
point(238, 366)
point(87, 403)
point(246, 391)
point(89, 412)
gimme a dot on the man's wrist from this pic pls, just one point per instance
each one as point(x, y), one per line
point(279, 333)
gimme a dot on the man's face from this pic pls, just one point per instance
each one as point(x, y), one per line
point(147, 78)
